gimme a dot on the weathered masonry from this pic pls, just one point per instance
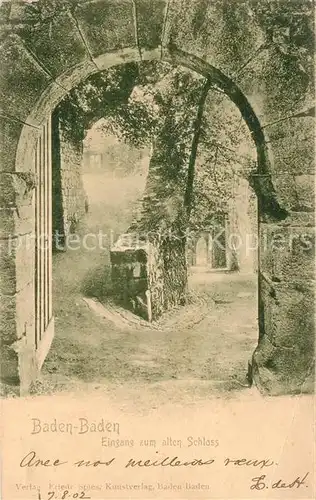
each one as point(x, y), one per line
point(68, 196)
point(242, 47)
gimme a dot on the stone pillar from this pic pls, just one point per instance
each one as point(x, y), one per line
point(86, 160)
point(68, 191)
point(242, 228)
point(139, 278)
point(201, 252)
point(219, 245)
point(17, 250)
point(284, 359)
point(129, 274)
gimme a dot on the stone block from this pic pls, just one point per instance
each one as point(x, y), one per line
point(149, 33)
point(17, 100)
point(25, 313)
point(129, 279)
point(16, 189)
point(9, 366)
point(5, 10)
point(299, 219)
point(164, 271)
point(16, 263)
point(28, 366)
point(292, 144)
point(10, 131)
point(286, 193)
point(287, 85)
point(107, 25)
point(138, 272)
point(305, 190)
point(277, 371)
point(128, 256)
point(8, 326)
point(27, 144)
point(156, 280)
point(287, 253)
point(57, 44)
point(288, 315)
point(222, 33)
point(16, 222)
point(250, 80)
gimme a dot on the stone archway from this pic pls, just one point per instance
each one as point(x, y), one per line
point(283, 361)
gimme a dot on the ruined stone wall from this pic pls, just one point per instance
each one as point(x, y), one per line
point(242, 229)
point(73, 194)
point(146, 277)
point(129, 260)
point(68, 191)
point(137, 273)
point(17, 245)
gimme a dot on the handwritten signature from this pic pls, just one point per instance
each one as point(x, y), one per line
point(259, 483)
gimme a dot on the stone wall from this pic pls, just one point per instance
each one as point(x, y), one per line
point(208, 249)
point(198, 249)
point(145, 275)
point(68, 192)
point(242, 228)
point(17, 244)
point(129, 274)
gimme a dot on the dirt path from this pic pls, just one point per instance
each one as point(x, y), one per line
point(92, 352)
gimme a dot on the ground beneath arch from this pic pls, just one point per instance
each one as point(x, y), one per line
point(200, 358)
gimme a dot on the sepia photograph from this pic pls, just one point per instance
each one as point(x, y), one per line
point(157, 252)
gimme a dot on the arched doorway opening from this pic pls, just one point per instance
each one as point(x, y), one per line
point(223, 242)
point(112, 179)
point(246, 111)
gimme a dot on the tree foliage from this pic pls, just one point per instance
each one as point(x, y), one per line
point(157, 104)
point(101, 95)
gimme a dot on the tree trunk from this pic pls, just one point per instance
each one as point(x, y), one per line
point(194, 149)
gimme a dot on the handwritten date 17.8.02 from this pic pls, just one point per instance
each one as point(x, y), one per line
point(64, 495)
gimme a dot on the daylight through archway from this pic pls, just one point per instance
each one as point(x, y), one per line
point(124, 174)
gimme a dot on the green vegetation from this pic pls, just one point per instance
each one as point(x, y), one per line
point(199, 140)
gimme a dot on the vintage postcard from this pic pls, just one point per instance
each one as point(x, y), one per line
point(157, 249)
